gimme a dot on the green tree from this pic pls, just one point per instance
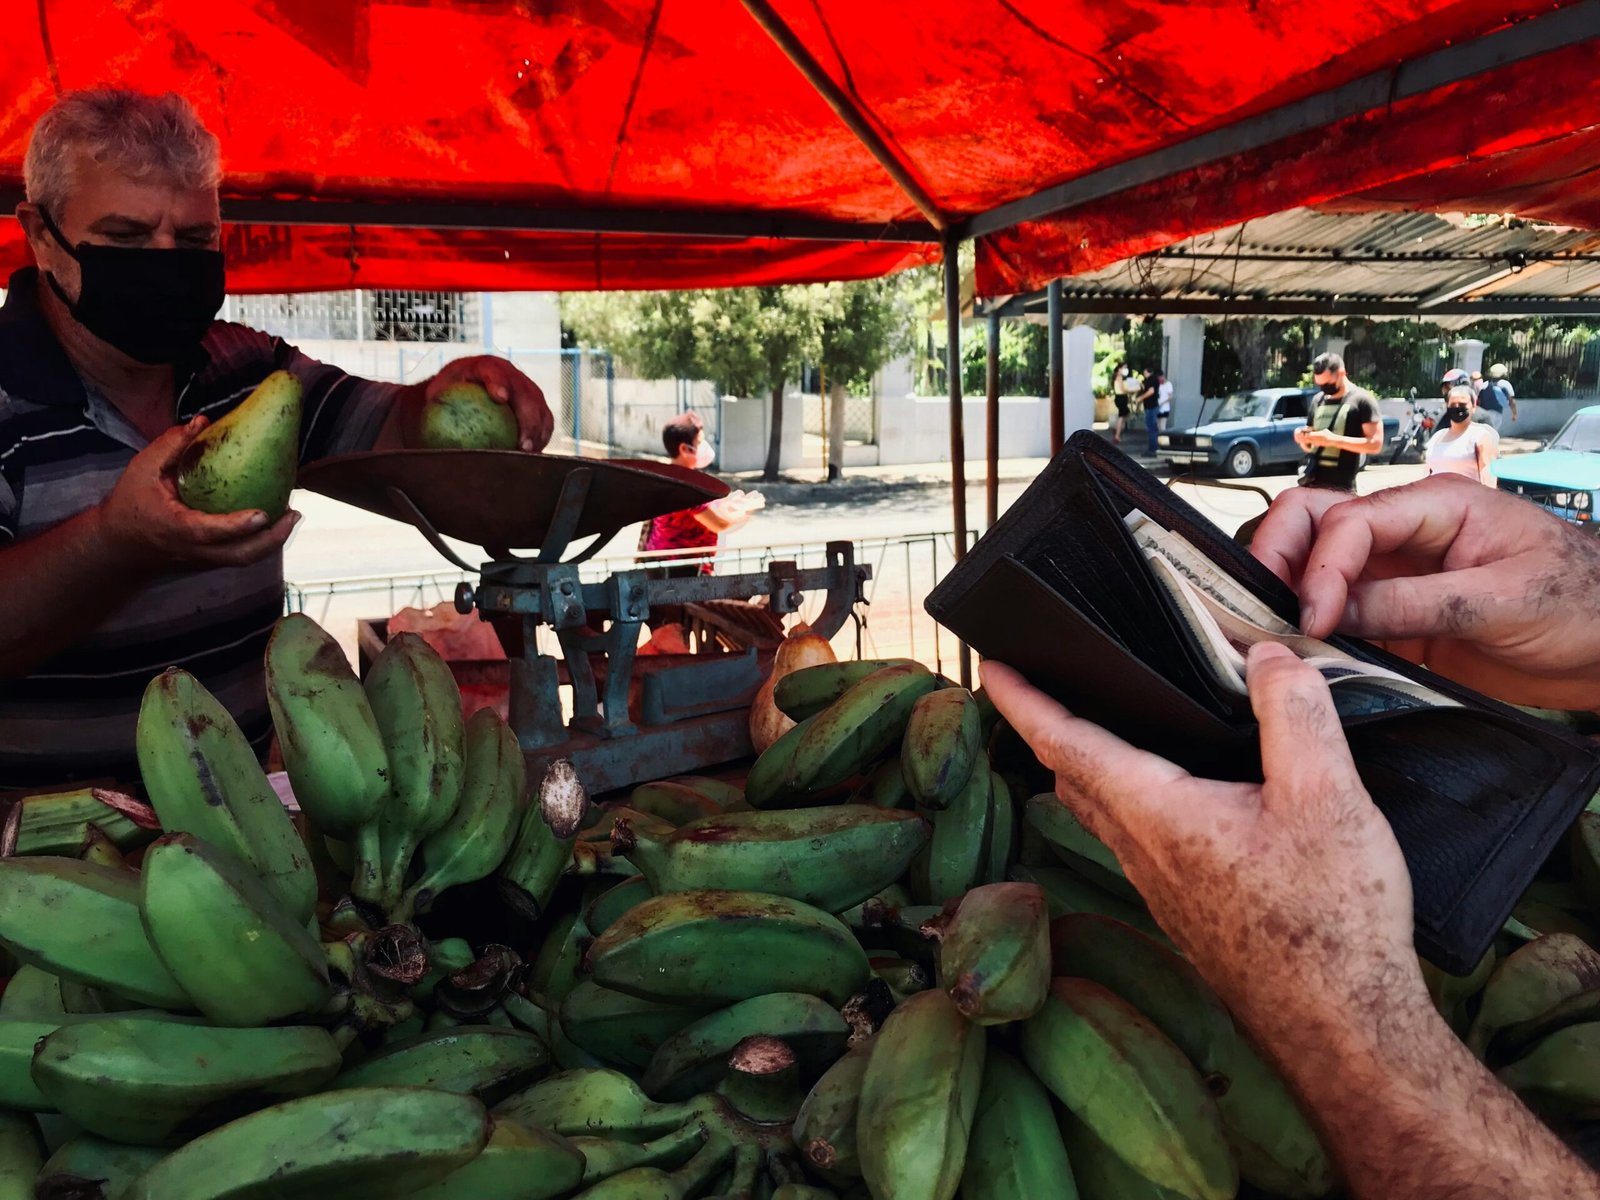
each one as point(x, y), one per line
point(653, 332)
point(862, 326)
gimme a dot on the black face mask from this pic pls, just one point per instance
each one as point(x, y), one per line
point(1331, 389)
point(1457, 413)
point(153, 305)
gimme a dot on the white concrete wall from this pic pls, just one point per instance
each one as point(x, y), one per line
point(522, 320)
point(746, 427)
point(916, 429)
point(1184, 339)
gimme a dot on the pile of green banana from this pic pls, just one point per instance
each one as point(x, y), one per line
point(889, 965)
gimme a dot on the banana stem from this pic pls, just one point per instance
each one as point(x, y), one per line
point(366, 876)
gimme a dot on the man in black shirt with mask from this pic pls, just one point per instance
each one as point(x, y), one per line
point(1344, 425)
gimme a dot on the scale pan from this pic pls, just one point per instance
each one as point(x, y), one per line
point(505, 498)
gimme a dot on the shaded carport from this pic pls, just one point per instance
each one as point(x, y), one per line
point(693, 143)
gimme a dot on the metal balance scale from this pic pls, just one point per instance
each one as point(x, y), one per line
point(692, 710)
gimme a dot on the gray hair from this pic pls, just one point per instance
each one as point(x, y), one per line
point(140, 136)
point(1461, 391)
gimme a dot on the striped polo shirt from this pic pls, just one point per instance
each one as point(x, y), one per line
point(63, 446)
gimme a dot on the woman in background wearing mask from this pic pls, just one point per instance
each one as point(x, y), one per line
point(1462, 447)
point(690, 533)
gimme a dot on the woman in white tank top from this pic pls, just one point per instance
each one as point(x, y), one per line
point(1462, 447)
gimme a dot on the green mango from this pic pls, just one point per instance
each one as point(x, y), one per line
point(248, 459)
point(464, 417)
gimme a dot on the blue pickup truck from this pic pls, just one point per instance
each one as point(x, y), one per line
point(1563, 477)
point(1249, 431)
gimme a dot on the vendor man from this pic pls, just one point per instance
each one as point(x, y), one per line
point(110, 364)
point(1345, 424)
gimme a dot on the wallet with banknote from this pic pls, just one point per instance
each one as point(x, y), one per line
point(1115, 596)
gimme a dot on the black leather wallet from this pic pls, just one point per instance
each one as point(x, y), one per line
point(1478, 795)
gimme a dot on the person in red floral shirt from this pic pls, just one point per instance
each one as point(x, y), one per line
point(693, 530)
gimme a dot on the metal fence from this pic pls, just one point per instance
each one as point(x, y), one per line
point(379, 315)
point(860, 418)
point(892, 624)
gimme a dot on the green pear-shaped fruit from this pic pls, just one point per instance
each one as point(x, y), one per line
point(463, 417)
point(247, 459)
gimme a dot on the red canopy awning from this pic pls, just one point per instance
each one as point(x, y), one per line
point(481, 143)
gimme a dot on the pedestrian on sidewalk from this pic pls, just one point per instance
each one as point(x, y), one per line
point(1121, 379)
point(1463, 447)
point(1150, 400)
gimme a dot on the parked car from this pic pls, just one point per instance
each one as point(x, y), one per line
point(1249, 431)
point(1563, 477)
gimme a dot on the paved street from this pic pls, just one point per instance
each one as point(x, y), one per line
point(896, 511)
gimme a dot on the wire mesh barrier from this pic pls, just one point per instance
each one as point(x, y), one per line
point(892, 624)
point(860, 418)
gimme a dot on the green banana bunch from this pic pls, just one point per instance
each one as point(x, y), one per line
point(486, 1061)
point(652, 1183)
point(694, 1059)
point(832, 858)
point(711, 947)
point(762, 1082)
point(85, 1162)
point(593, 1102)
point(1563, 1068)
point(479, 833)
point(900, 975)
point(519, 1163)
point(203, 778)
point(361, 1144)
point(81, 921)
point(99, 849)
point(18, 1037)
point(942, 746)
point(994, 953)
point(1068, 892)
point(884, 787)
point(605, 1157)
point(1001, 847)
point(1452, 993)
point(1015, 1150)
point(825, 1126)
point(675, 803)
point(417, 706)
point(445, 958)
point(332, 750)
point(554, 971)
point(237, 954)
point(726, 795)
point(1531, 983)
point(154, 1083)
point(806, 692)
point(802, 1191)
point(21, 1155)
point(955, 857)
point(619, 1028)
point(1276, 1146)
point(770, 782)
point(607, 908)
point(60, 822)
point(858, 728)
point(1125, 1079)
point(1077, 847)
point(1584, 843)
point(1099, 1173)
point(542, 847)
point(918, 1098)
point(32, 994)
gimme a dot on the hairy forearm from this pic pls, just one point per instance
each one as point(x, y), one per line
point(1406, 1111)
point(58, 586)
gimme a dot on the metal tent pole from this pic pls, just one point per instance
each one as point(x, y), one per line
point(958, 439)
point(991, 421)
point(1058, 366)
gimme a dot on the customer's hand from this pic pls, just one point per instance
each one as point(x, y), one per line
point(1476, 584)
point(145, 528)
point(1282, 893)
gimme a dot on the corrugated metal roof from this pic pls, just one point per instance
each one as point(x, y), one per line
point(1418, 261)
